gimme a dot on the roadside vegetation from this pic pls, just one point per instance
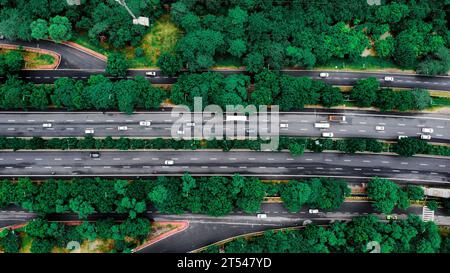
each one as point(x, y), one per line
point(296, 145)
point(308, 34)
point(105, 235)
point(410, 235)
point(215, 196)
point(32, 60)
point(269, 88)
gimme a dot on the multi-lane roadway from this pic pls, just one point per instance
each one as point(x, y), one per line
point(427, 170)
point(360, 124)
point(80, 65)
point(204, 230)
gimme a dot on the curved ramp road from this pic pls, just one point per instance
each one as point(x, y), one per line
point(71, 58)
point(357, 124)
point(209, 163)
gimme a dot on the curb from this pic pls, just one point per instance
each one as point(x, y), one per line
point(55, 55)
point(184, 226)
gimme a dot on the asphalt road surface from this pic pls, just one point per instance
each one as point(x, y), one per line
point(358, 124)
point(336, 78)
point(86, 65)
point(263, 164)
point(204, 230)
point(71, 58)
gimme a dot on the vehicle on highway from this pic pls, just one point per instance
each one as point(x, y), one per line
point(168, 162)
point(150, 73)
point(335, 118)
point(388, 79)
point(401, 137)
point(89, 131)
point(145, 123)
point(180, 132)
point(425, 137)
point(190, 124)
point(47, 125)
point(284, 125)
point(122, 128)
point(236, 118)
point(321, 125)
point(327, 134)
point(391, 217)
point(94, 155)
point(379, 128)
point(313, 211)
point(249, 131)
point(261, 215)
point(427, 130)
point(324, 75)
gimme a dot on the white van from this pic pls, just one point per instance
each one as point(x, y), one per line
point(47, 125)
point(261, 215)
point(89, 131)
point(327, 134)
point(321, 125)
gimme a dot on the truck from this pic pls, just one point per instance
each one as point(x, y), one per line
point(335, 118)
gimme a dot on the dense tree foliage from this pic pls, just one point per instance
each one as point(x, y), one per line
point(46, 235)
point(386, 194)
point(411, 235)
point(101, 20)
point(301, 33)
point(349, 145)
point(11, 63)
point(98, 93)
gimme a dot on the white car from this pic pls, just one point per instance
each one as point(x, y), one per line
point(388, 79)
point(284, 125)
point(401, 137)
point(47, 125)
point(427, 130)
point(168, 162)
point(150, 73)
point(327, 134)
point(190, 124)
point(313, 211)
point(324, 75)
point(379, 128)
point(180, 132)
point(89, 131)
point(261, 215)
point(122, 128)
point(425, 137)
point(145, 123)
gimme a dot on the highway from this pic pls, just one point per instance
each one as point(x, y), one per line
point(358, 124)
point(427, 170)
point(204, 230)
point(79, 65)
point(336, 77)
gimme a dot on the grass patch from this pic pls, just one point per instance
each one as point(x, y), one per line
point(161, 37)
point(362, 63)
point(441, 102)
point(32, 59)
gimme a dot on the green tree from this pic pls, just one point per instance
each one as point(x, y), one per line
point(384, 192)
point(365, 92)
point(117, 65)
point(294, 195)
point(60, 29)
point(170, 64)
point(39, 29)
